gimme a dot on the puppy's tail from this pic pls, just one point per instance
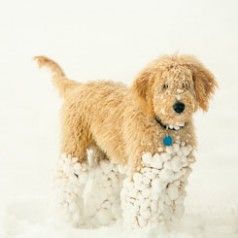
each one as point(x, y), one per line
point(59, 78)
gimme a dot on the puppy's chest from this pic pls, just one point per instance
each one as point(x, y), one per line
point(171, 158)
point(166, 138)
point(181, 145)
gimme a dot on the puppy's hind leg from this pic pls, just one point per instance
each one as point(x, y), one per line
point(75, 135)
point(71, 177)
point(73, 168)
point(102, 190)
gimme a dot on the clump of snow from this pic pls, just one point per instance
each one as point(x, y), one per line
point(178, 97)
point(163, 111)
point(176, 126)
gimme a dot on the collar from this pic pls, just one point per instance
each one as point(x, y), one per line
point(165, 127)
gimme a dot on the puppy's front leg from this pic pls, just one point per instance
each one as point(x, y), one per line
point(154, 195)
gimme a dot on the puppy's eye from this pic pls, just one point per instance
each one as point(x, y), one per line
point(185, 86)
point(165, 86)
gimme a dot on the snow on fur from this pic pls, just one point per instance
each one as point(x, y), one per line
point(156, 193)
point(88, 195)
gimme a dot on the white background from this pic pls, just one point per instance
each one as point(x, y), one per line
point(112, 40)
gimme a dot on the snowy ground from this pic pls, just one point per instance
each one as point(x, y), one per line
point(113, 40)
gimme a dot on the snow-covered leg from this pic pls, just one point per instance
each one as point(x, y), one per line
point(102, 194)
point(71, 177)
point(88, 194)
point(155, 194)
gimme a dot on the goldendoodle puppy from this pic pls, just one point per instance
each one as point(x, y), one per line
point(146, 128)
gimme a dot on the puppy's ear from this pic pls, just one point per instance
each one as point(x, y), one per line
point(141, 84)
point(143, 88)
point(204, 81)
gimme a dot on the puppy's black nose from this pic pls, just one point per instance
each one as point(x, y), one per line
point(179, 107)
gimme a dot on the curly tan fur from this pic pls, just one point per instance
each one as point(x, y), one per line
point(119, 121)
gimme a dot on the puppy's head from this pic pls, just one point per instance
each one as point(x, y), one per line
point(174, 87)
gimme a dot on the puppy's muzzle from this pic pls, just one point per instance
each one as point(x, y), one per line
point(179, 107)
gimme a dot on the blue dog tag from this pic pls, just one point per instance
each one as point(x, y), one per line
point(168, 141)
